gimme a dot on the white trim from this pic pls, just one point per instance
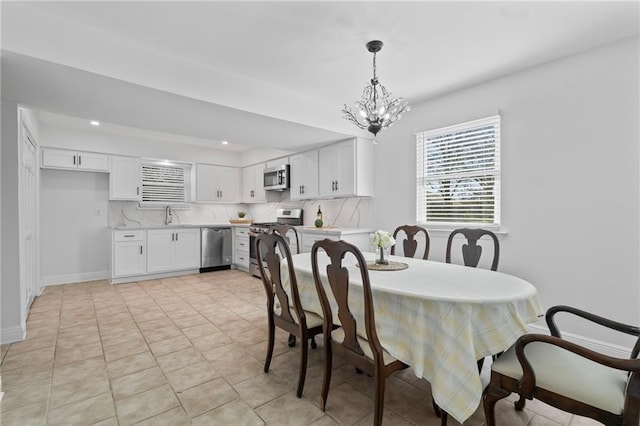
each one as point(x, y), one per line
point(610, 349)
point(144, 277)
point(13, 334)
point(75, 278)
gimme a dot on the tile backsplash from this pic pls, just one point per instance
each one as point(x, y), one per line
point(343, 213)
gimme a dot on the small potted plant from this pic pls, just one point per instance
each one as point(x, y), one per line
point(241, 214)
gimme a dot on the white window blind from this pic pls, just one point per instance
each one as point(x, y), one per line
point(458, 174)
point(163, 184)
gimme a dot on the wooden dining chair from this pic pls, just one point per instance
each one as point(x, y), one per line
point(410, 243)
point(569, 376)
point(363, 351)
point(471, 251)
point(290, 316)
point(284, 230)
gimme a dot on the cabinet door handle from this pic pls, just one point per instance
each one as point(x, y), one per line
point(129, 235)
point(140, 249)
point(74, 160)
point(79, 160)
point(137, 190)
point(336, 185)
point(221, 193)
point(177, 236)
point(173, 236)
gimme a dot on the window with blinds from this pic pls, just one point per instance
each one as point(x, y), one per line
point(164, 184)
point(458, 174)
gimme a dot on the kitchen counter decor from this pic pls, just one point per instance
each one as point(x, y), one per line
point(246, 221)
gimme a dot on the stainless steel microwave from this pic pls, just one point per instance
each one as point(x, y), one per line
point(276, 178)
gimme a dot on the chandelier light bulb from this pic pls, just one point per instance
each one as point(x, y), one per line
point(377, 109)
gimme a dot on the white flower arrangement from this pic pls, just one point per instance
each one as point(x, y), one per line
point(382, 239)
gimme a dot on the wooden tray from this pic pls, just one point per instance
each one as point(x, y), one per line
point(249, 221)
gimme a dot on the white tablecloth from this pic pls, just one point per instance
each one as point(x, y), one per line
point(438, 318)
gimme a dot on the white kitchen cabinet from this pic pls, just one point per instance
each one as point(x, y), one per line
point(129, 253)
point(346, 169)
point(241, 248)
point(304, 175)
point(125, 178)
point(55, 158)
point(253, 184)
point(356, 236)
point(173, 249)
point(276, 162)
point(217, 183)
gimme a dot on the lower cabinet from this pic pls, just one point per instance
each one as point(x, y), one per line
point(172, 249)
point(138, 253)
point(241, 248)
point(358, 237)
point(129, 253)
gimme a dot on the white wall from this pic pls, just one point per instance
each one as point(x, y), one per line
point(12, 326)
point(74, 239)
point(570, 177)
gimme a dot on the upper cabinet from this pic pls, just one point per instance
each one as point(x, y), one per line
point(125, 179)
point(217, 183)
point(54, 158)
point(253, 184)
point(346, 169)
point(304, 175)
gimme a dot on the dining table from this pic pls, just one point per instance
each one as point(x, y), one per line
point(438, 318)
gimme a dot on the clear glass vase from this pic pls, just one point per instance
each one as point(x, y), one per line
point(380, 259)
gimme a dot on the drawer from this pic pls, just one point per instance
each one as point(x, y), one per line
point(242, 244)
point(128, 235)
point(242, 232)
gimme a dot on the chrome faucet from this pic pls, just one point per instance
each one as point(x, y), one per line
point(168, 215)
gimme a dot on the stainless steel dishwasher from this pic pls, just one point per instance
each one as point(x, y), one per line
point(216, 248)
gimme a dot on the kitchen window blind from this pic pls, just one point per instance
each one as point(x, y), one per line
point(458, 174)
point(163, 184)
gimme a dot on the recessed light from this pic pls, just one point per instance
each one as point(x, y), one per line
point(94, 123)
point(225, 143)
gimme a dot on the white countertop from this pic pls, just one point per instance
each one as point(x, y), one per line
point(336, 230)
point(178, 226)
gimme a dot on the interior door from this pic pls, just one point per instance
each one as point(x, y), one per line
point(28, 221)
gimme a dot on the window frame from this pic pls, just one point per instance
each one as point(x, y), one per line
point(423, 175)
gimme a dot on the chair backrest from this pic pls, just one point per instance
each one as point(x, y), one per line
point(471, 252)
point(284, 230)
point(337, 276)
point(410, 243)
point(268, 248)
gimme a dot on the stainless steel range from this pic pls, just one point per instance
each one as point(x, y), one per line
point(283, 217)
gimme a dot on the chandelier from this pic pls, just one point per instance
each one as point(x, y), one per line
point(377, 109)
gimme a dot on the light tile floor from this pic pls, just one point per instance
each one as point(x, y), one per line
point(190, 350)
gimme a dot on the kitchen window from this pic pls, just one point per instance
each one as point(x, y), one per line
point(165, 183)
point(458, 174)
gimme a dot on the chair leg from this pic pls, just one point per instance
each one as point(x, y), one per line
point(313, 342)
point(270, 343)
point(444, 418)
point(490, 397)
point(379, 401)
point(303, 366)
point(436, 408)
point(519, 404)
point(326, 381)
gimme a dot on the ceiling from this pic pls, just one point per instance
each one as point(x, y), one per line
point(275, 74)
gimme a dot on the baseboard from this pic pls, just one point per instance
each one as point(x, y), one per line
point(11, 335)
point(616, 351)
point(155, 276)
point(74, 278)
